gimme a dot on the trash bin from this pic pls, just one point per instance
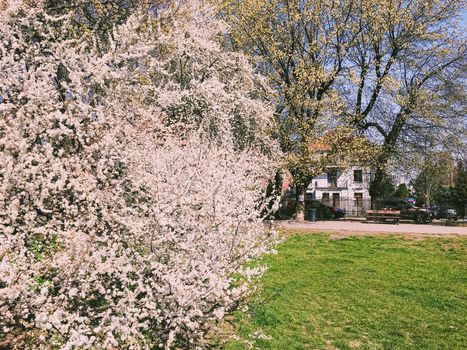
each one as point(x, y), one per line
point(313, 214)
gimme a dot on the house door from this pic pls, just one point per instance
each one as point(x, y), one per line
point(325, 198)
point(336, 200)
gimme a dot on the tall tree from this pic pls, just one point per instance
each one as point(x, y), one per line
point(409, 81)
point(302, 46)
point(393, 70)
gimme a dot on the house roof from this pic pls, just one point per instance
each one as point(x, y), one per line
point(320, 146)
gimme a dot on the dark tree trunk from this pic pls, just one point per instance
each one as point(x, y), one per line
point(300, 203)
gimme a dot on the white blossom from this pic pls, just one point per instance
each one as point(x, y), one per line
point(132, 180)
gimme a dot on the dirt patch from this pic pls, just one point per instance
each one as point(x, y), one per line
point(343, 234)
point(355, 344)
point(408, 235)
point(342, 229)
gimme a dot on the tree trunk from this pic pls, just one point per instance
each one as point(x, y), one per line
point(300, 203)
point(376, 186)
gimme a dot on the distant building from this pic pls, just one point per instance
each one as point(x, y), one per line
point(340, 186)
point(346, 188)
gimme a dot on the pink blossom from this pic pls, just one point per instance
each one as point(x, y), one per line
point(131, 190)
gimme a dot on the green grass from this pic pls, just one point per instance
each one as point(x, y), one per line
point(359, 293)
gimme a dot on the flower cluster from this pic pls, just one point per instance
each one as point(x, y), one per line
point(132, 179)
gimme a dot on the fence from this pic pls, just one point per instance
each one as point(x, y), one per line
point(352, 207)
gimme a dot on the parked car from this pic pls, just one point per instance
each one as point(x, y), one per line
point(338, 213)
point(324, 212)
point(408, 211)
point(443, 212)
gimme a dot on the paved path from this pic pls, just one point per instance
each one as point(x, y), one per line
point(351, 226)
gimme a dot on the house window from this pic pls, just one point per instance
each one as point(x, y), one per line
point(357, 176)
point(336, 200)
point(358, 199)
point(325, 198)
point(332, 178)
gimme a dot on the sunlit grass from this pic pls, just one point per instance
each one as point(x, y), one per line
point(359, 293)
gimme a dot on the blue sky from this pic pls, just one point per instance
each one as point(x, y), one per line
point(464, 21)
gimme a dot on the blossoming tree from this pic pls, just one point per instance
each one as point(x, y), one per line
point(132, 178)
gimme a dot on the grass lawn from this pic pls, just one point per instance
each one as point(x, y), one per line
point(359, 293)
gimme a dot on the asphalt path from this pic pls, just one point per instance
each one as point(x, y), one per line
point(362, 227)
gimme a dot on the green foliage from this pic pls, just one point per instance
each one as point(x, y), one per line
point(383, 188)
point(443, 196)
point(459, 192)
point(359, 293)
point(402, 191)
point(438, 171)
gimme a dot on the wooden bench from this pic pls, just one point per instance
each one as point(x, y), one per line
point(383, 215)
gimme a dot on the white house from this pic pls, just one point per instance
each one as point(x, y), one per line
point(346, 188)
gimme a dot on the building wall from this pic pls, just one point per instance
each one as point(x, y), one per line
point(346, 186)
point(346, 190)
